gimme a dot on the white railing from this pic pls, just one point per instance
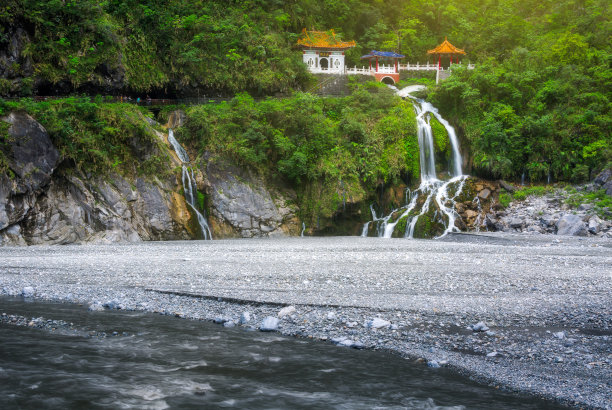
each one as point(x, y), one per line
point(383, 69)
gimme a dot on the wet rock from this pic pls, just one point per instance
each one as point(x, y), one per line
point(95, 307)
point(433, 364)
point(245, 317)
point(112, 304)
point(570, 224)
point(28, 292)
point(269, 324)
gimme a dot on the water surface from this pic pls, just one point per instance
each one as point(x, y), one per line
point(116, 359)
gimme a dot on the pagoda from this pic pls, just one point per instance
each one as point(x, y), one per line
point(446, 49)
point(385, 72)
point(323, 51)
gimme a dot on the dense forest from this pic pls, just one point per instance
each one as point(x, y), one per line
point(538, 102)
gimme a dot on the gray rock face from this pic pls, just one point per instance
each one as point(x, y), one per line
point(32, 158)
point(100, 211)
point(604, 180)
point(570, 224)
point(38, 206)
point(241, 200)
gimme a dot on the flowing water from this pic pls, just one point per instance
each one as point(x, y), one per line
point(115, 359)
point(189, 185)
point(432, 192)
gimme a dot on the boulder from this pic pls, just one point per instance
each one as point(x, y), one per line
point(239, 199)
point(506, 186)
point(603, 177)
point(32, 158)
point(570, 224)
point(595, 225)
point(484, 194)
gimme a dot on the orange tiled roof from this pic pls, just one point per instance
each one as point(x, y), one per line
point(323, 39)
point(446, 48)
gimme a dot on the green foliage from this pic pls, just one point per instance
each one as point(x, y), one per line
point(600, 200)
point(505, 199)
point(201, 200)
point(96, 137)
point(328, 148)
point(536, 190)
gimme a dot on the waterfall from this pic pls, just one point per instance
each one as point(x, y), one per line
point(303, 229)
point(189, 185)
point(431, 188)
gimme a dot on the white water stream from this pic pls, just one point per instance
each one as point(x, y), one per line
point(432, 188)
point(189, 185)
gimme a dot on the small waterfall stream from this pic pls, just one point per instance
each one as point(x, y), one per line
point(189, 185)
point(431, 189)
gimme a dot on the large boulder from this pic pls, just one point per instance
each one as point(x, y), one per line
point(240, 201)
point(31, 158)
point(570, 224)
point(604, 180)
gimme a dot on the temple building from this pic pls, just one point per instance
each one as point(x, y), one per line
point(323, 51)
point(446, 49)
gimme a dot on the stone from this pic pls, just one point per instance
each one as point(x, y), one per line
point(269, 324)
point(28, 292)
point(331, 316)
point(480, 327)
point(245, 317)
point(585, 207)
point(377, 323)
point(570, 224)
point(433, 364)
point(484, 194)
point(229, 323)
point(492, 354)
point(112, 304)
point(506, 186)
point(516, 223)
point(95, 307)
point(595, 225)
point(559, 335)
point(286, 311)
point(603, 177)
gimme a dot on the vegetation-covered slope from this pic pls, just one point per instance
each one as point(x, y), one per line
point(538, 103)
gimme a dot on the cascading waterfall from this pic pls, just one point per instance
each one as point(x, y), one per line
point(189, 186)
point(431, 188)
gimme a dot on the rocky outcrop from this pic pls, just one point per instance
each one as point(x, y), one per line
point(74, 210)
point(14, 63)
point(42, 205)
point(31, 159)
point(242, 205)
point(604, 181)
point(549, 214)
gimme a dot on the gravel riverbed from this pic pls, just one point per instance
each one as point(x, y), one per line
point(526, 313)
